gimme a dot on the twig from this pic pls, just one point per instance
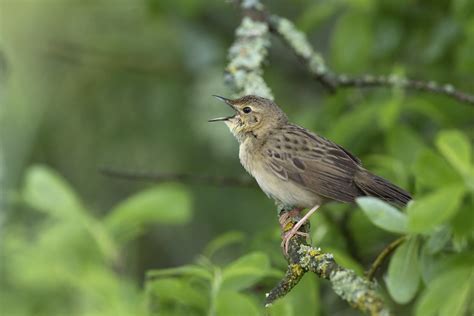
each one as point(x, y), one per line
point(300, 45)
point(357, 291)
point(383, 255)
point(180, 177)
point(368, 81)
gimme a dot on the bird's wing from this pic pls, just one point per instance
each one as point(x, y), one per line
point(313, 163)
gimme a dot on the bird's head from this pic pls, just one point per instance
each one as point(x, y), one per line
point(254, 116)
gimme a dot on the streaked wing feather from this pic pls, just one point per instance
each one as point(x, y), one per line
point(314, 163)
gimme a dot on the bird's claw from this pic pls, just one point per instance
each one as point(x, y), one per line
point(287, 237)
point(295, 229)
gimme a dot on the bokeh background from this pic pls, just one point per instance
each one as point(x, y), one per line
point(128, 84)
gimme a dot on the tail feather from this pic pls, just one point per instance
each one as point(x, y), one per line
point(376, 186)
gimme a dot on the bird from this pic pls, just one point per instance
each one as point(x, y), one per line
point(297, 168)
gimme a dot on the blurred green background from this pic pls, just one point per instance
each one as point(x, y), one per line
point(128, 85)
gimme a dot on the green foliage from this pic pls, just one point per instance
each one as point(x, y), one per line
point(245, 271)
point(444, 180)
point(48, 192)
point(207, 287)
point(403, 277)
point(75, 257)
point(434, 209)
point(457, 150)
point(383, 214)
point(448, 294)
point(90, 83)
point(166, 204)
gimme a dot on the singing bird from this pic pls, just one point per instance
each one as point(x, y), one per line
point(294, 166)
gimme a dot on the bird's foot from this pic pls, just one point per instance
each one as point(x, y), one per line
point(287, 237)
point(287, 217)
point(286, 220)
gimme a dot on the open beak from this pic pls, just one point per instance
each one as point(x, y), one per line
point(229, 103)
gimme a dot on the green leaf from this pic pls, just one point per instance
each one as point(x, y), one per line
point(383, 215)
point(431, 266)
point(403, 278)
point(176, 291)
point(166, 204)
point(438, 240)
point(448, 294)
point(245, 271)
point(463, 222)
point(222, 241)
point(429, 211)
point(47, 191)
point(432, 171)
point(235, 304)
point(455, 146)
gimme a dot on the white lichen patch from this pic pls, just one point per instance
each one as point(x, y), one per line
point(356, 290)
point(246, 57)
point(299, 43)
point(348, 285)
point(313, 260)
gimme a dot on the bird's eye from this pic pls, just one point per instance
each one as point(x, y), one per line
point(247, 109)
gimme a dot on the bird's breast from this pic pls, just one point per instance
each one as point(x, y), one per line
point(284, 192)
point(248, 158)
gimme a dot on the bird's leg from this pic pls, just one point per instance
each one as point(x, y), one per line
point(287, 220)
point(294, 230)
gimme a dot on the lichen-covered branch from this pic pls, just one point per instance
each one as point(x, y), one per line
point(244, 73)
point(368, 81)
point(297, 41)
point(248, 52)
point(359, 292)
point(316, 66)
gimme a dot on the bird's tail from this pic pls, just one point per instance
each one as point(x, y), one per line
point(376, 186)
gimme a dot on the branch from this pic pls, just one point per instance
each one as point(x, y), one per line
point(299, 44)
point(359, 292)
point(368, 81)
point(384, 254)
point(248, 52)
point(179, 177)
point(244, 73)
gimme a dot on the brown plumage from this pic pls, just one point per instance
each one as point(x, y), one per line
point(295, 167)
point(325, 168)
